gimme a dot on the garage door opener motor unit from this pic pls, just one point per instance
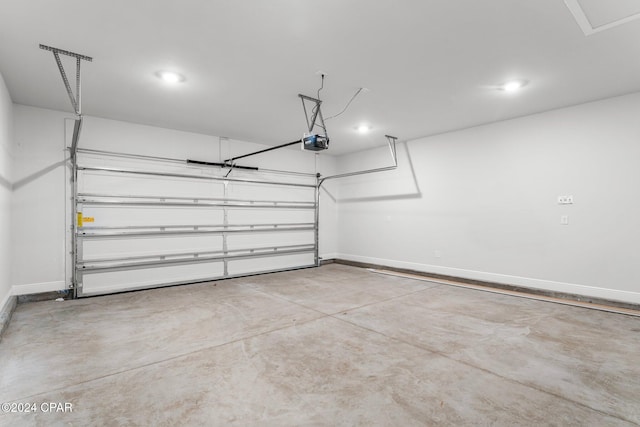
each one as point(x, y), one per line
point(313, 141)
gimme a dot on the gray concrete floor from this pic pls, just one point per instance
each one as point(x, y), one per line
point(330, 346)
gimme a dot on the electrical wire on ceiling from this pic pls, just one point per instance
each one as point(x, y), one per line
point(346, 106)
point(355, 95)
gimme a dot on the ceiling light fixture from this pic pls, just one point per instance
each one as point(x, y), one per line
point(513, 86)
point(170, 77)
point(363, 128)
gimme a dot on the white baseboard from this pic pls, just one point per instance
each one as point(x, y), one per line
point(527, 282)
point(7, 306)
point(325, 257)
point(36, 288)
point(5, 301)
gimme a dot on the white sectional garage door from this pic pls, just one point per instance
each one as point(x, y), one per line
point(155, 222)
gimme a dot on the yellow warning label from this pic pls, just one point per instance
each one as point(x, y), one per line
point(88, 219)
point(79, 219)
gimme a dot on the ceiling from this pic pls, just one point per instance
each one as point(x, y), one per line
point(429, 66)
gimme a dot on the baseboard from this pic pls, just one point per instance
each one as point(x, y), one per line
point(36, 288)
point(616, 297)
point(7, 306)
point(330, 256)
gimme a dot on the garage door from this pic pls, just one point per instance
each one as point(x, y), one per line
point(146, 222)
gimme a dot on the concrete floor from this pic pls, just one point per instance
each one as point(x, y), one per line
point(331, 346)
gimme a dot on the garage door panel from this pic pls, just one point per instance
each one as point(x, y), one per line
point(104, 183)
point(240, 267)
point(131, 216)
point(94, 249)
point(258, 240)
point(257, 192)
point(116, 281)
point(270, 216)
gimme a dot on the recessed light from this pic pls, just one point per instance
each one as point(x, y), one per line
point(170, 77)
point(514, 85)
point(363, 128)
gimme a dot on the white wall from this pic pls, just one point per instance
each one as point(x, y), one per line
point(479, 203)
point(6, 138)
point(482, 203)
point(40, 215)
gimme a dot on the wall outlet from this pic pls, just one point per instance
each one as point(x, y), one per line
point(565, 200)
point(564, 219)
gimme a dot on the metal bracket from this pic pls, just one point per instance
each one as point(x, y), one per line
point(391, 140)
point(76, 103)
point(75, 99)
point(316, 113)
point(77, 126)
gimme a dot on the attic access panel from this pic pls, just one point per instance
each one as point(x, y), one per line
point(596, 15)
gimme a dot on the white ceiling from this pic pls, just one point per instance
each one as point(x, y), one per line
point(431, 66)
